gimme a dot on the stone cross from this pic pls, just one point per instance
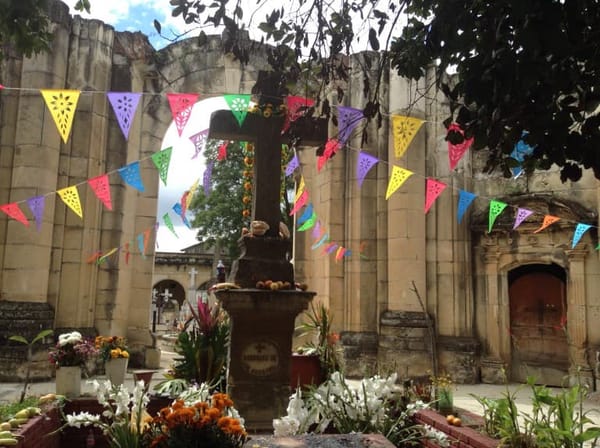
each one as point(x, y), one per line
point(193, 273)
point(167, 295)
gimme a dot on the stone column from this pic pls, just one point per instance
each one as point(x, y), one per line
point(577, 317)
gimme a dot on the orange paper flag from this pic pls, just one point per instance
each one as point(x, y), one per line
point(62, 105)
point(70, 196)
point(548, 220)
point(14, 211)
point(101, 188)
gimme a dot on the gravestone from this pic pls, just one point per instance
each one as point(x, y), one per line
point(262, 320)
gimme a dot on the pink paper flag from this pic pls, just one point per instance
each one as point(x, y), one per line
point(331, 148)
point(222, 151)
point(296, 107)
point(181, 108)
point(15, 213)
point(522, 215)
point(124, 104)
point(301, 202)
point(455, 152)
point(101, 188)
point(363, 166)
point(548, 220)
point(37, 205)
point(433, 189)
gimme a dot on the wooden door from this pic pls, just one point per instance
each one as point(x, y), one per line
point(537, 317)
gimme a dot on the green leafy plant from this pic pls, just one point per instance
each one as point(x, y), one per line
point(8, 410)
point(202, 347)
point(322, 341)
point(39, 337)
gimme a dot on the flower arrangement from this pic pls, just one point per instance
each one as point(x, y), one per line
point(72, 349)
point(371, 407)
point(443, 392)
point(111, 347)
point(196, 419)
point(123, 419)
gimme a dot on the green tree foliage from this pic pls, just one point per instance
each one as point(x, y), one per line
point(521, 68)
point(24, 25)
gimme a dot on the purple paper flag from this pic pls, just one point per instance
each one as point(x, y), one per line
point(199, 141)
point(291, 167)
point(348, 118)
point(36, 205)
point(316, 232)
point(365, 163)
point(464, 200)
point(131, 175)
point(579, 231)
point(522, 214)
point(124, 104)
point(207, 178)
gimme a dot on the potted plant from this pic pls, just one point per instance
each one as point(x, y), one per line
point(114, 353)
point(320, 356)
point(69, 355)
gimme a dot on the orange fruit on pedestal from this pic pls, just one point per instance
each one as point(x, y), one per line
point(450, 418)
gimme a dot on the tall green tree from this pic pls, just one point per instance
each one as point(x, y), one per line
point(220, 215)
point(522, 69)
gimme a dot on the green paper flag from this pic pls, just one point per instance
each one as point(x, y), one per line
point(162, 159)
point(239, 106)
point(496, 208)
point(308, 223)
point(169, 224)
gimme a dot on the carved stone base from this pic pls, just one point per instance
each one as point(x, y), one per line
point(493, 371)
point(459, 356)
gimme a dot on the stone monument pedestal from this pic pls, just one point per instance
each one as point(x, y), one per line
point(258, 375)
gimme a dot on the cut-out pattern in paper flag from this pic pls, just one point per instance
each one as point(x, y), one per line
point(207, 178)
point(161, 160)
point(62, 105)
point(296, 107)
point(169, 224)
point(348, 119)
point(292, 165)
point(70, 196)
point(548, 221)
point(132, 176)
point(309, 223)
point(181, 108)
point(37, 205)
point(496, 207)
point(124, 104)
point(101, 187)
point(522, 215)
point(331, 148)
point(404, 130)
point(455, 152)
point(199, 141)
point(579, 231)
point(432, 190)
point(222, 155)
point(308, 212)
point(465, 198)
point(14, 211)
point(518, 153)
point(239, 106)
point(300, 202)
point(363, 166)
point(398, 177)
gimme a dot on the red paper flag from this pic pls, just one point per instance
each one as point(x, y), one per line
point(301, 202)
point(222, 151)
point(455, 152)
point(101, 188)
point(15, 213)
point(181, 108)
point(433, 189)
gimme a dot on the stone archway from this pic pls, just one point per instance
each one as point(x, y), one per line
point(168, 296)
point(538, 313)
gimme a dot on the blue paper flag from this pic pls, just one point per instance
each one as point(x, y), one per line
point(519, 152)
point(579, 231)
point(131, 175)
point(464, 200)
point(308, 212)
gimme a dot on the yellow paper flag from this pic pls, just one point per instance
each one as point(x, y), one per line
point(404, 130)
point(300, 189)
point(62, 105)
point(70, 196)
point(399, 175)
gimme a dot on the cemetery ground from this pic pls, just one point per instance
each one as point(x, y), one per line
point(464, 401)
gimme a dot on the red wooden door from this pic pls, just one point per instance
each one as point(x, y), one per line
point(537, 316)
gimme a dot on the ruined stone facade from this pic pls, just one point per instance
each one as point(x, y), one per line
point(420, 290)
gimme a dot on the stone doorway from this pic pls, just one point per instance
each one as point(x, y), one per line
point(538, 314)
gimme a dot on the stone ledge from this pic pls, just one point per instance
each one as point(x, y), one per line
point(321, 441)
